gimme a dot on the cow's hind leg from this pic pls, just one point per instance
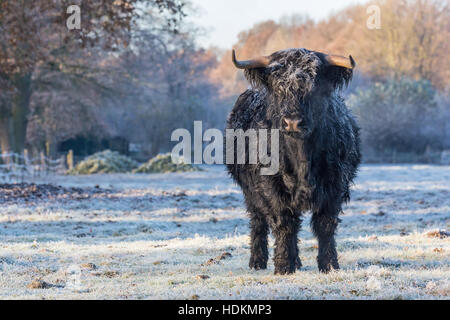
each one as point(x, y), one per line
point(298, 261)
point(324, 227)
point(285, 229)
point(258, 238)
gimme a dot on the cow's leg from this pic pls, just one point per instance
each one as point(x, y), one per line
point(298, 261)
point(258, 238)
point(324, 227)
point(285, 229)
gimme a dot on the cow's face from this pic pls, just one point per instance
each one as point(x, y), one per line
point(294, 78)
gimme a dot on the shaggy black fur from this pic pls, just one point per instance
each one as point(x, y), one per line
point(317, 165)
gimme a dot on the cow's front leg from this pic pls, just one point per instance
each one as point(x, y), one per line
point(324, 227)
point(285, 229)
point(258, 238)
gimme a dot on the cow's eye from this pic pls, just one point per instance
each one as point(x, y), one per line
point(275, 66)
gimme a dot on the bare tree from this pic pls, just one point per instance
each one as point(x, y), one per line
point(33, 35)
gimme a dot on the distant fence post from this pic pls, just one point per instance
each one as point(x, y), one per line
point(428, 154)
point(47, 148)
point(18, 168)
point(43, 163)
point(70, 160)
point(26, 158)
point(26, 161)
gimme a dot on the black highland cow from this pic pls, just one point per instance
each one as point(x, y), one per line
point(297, 91)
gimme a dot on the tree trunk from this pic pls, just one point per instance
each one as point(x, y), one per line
point(5, 144)
point(20, 109)
point(5, 132)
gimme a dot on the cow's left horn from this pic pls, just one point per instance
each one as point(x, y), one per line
point(341, 61)
point(260, 62)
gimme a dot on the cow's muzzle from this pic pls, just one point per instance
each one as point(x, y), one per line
point(291, 125)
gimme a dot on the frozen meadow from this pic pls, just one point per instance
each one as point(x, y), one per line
point(186, 236)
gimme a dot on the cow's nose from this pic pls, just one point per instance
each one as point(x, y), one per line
point(291, 125)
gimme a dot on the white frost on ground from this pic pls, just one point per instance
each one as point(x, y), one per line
point(151, 236)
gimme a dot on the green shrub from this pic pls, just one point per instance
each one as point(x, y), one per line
point(163, 164)
point(104, 162)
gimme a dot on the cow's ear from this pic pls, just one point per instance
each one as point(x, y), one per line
point(257, 77)
point(255, 70)
point(337, 70)
point(338, 77)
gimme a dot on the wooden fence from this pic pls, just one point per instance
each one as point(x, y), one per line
point(17, 168)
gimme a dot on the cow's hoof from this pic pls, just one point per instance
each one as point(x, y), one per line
point(258, 264)
point(285, 269)
point(326, 267)
point(298, 263)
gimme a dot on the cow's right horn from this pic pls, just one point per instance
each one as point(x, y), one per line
point(341, 61)
point(260, 62)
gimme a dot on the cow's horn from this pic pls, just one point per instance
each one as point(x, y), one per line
point(341, 61)
point(260, 62)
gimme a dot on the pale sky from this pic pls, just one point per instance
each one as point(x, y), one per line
point(224, 19)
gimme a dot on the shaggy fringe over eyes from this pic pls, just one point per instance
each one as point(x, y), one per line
point(291, 72)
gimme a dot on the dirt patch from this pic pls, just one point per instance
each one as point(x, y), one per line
point(107, 274)
point(39, 284)
point(441, 234)
point(216, 260)
point(26, 193)
point(88, 266)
